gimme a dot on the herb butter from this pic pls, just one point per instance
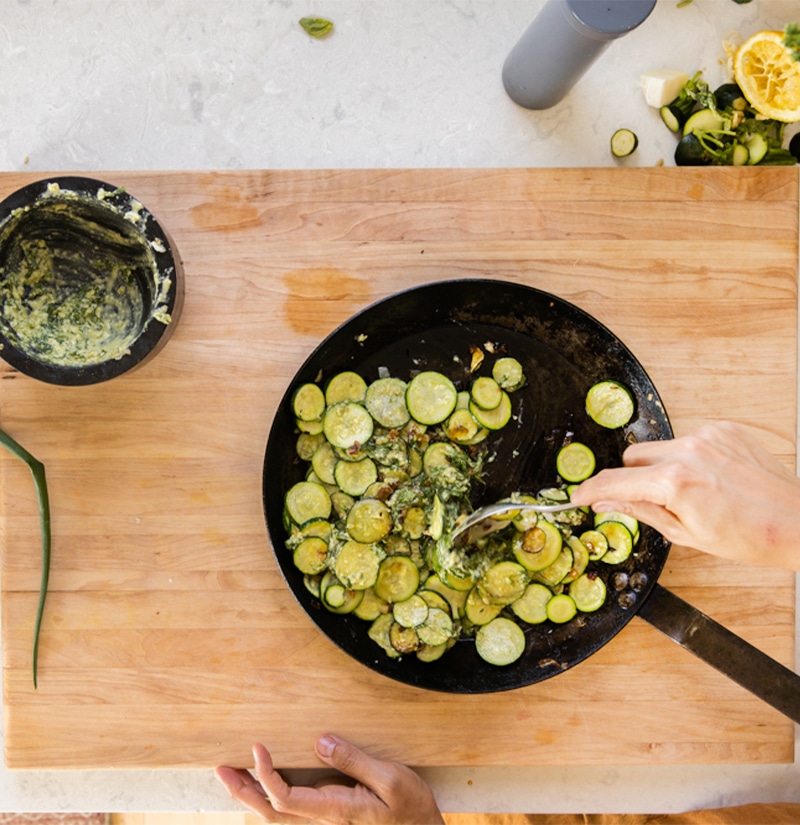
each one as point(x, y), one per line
point(78, 281)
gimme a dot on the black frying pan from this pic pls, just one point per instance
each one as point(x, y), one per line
point(563, 351)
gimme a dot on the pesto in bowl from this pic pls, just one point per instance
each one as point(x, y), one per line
point(89, 287)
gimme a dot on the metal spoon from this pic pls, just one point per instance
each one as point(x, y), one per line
point(489, 511)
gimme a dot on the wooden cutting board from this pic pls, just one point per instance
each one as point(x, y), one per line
point(170, 638)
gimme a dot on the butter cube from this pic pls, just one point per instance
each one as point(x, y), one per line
point(662, 86)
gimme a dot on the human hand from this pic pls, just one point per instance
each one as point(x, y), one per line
point(384, 792)
point(718, 491)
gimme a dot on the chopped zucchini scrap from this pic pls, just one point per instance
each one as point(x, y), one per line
point(719, 127)
point(391, 465)
point(623, 143)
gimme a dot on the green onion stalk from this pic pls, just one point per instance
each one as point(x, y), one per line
point(37, 470)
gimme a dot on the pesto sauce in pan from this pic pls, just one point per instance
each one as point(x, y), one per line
point(78, 281)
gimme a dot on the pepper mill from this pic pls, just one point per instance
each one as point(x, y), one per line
point(563, 41)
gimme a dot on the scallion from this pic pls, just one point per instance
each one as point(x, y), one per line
point(37, 470)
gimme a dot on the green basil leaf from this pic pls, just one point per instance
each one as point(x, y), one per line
point(316, 26)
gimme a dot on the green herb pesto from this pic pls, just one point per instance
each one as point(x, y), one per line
point(78, 281)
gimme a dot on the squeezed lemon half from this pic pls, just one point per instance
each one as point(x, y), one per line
point(768, 76)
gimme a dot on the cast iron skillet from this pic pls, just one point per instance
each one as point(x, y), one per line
point(563, 351)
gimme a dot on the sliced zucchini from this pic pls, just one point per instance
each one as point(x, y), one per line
point(411, 612)
point(478, 611)
point(434, 599)
point(486, 393)
point(629, 521)
point(356, 565)
point(481, 435)
point(494, 419)
point(381, 490)
point(354, 477)
point(561, 608)
point(455, 598)
point(558, 570)
point(347, 425)
point(386, 402)
point(431, 397)
point(508, 373)
point(595, 542)
point(705, 120)
point(531, 606)
point(345, 386)
point(757, 147)
point(461, 426)
point(371, 606)
point(311, 555)
point(437, 628)
point(403, 639)
point(575, 462)
point(580, 558)
point(503, 583)
point(341, 503)
point(397, 580)
point(336, 597)
point(674, 117)
point(413, 522)
point(430, 653)
point(536, 549)
point(740, 155)
point(310, 427)
point(455, 582)
point(307, 444)
point(609, 404)
point(311, 583)
point(308, 402)
point(319, 527)
point(379, 633)
point(307, 500)
point(526, 519)
point(440, 454)
point(323, 462)
point(414, 462)
point(623, 143)
point(588, 592)
point(436, 519)
point(620, 541)
point(500, 642)
point(369, 520)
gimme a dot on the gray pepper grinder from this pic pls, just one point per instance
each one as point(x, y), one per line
point(565, 38)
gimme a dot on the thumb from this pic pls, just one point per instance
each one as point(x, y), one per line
point(352, 761)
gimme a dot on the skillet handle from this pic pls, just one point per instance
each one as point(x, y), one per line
point(719, 647)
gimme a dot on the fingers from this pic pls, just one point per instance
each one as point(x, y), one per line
point(278, 791)
point(252, 793)
point(352, 761)
point(241, 786)
point(395, 792)
point(622, 485)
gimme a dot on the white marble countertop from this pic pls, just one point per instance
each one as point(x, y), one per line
point(216, 84)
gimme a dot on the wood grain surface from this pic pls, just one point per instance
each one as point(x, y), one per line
point(170, 638)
